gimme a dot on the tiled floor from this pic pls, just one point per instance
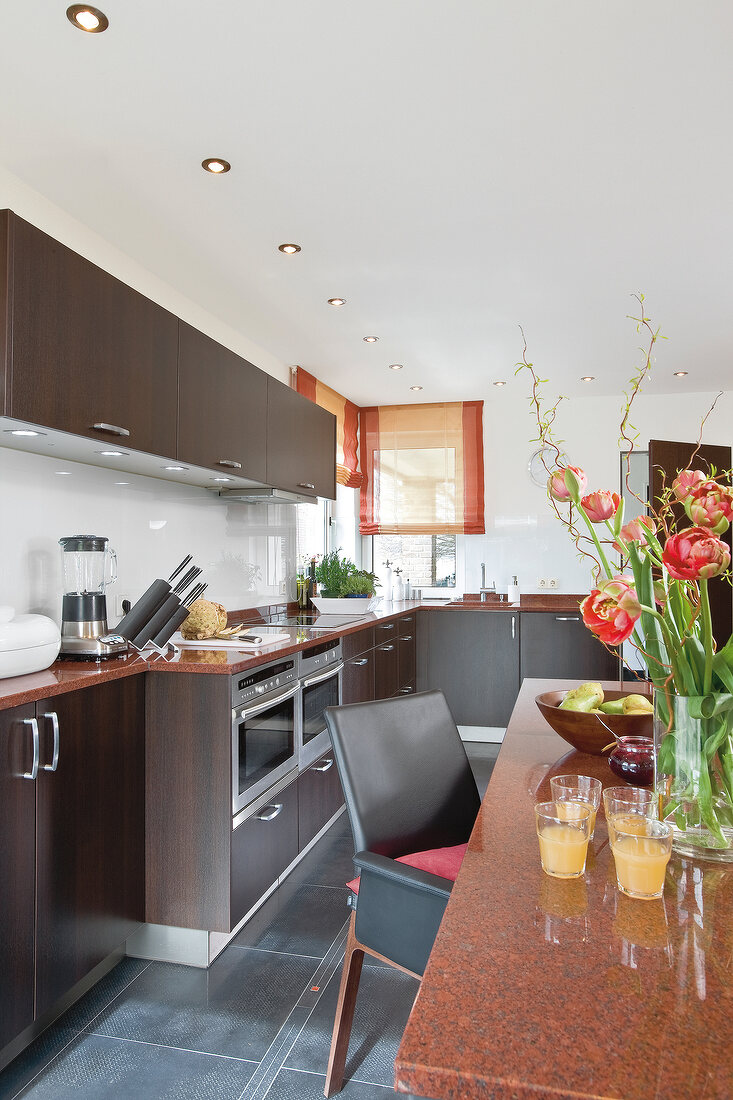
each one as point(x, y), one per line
point(252, 1025)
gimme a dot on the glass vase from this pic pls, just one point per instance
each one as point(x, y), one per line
point(693, 739)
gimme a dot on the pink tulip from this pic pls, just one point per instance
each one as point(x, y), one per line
point(686, 482)
point(611, 610)
point(567, 483)
point(711, 506)
point(636, 530)
point(695, 553)
point(601, 505)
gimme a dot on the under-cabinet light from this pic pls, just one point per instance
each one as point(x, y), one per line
point(288, 249)
point(337, 301)
point(216, 165)
point(88, 19)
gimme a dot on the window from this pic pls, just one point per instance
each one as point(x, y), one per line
point(427, 561)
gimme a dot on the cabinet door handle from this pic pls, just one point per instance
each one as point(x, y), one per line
point(385, 626)
point(323, 767)
point(229, 463)
point(361, 662)
point(113, 429)
point(55, 724)
point(405, 691)
point(406, 638)
point(567, 618)
point(275, 809)
point(514, 627)
point(306, 485)
point(386, 648)
point(32, 722)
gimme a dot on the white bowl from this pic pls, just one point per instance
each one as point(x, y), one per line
point(28, 643)
point(349, 605)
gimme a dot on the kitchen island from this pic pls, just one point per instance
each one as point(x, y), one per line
point(567, 990)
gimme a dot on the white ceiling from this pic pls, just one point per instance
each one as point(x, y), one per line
point(451, 169)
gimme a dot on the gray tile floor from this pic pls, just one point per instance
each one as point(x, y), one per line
point(256, 1024)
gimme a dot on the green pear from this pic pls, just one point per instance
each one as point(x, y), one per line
point(584, 698)
point(613, 706)
point(637, 704)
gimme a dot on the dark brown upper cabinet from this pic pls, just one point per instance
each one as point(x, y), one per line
point(82, 352)
point(301, 443)
point(221, 401)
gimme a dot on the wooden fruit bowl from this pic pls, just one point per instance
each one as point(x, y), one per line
point(592, 732)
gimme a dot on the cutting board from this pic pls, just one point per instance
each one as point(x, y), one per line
point(235, 643)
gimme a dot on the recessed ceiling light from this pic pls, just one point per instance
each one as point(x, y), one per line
point(500, 383)
point(221, 479)
point(122, 483)
point(289, 249)
point(113, 454)
point(415, 387)
point(22, 431)
point(174, 467)
point(63, 473)
point(370, 339)
point(85, 18)
point(337, 301)
point(588, 378)
point(216, 165)
point(396, 366)
point(680, 373)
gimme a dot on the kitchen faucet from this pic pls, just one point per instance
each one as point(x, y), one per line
point(484, 590)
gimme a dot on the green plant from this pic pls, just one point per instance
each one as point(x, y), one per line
point(332, 572)
point(359, 583)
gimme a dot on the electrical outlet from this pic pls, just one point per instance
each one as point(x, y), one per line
point(542, 582)
point(552, 583)
point(118, 604)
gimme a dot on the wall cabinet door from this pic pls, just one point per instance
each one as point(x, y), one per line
point(473, 657)
point(17, 871)
point(301, 443)
point(560, 646)
point(262, 847)
point(87, 349)
point(357, 679)
point(90, 831)
point(319, 797)
point(221, 404)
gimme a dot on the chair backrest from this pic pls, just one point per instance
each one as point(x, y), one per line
point(406, 777)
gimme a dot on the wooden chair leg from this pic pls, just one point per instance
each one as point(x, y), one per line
point(353, 959)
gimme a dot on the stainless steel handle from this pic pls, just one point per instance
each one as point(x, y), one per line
point(273, 700)
point(32, 722)
point(275, 808)
point(386, 648)
point(55, 724)
point(385, 626)
point(406, 638)
point(113, 429)
point(514, 627)
point(360, 662)
point(306, 485)
point(323, 767)
point(405, 691)
point(567, 618)
point(408, 619)
point(229, 463)
point(332, 671)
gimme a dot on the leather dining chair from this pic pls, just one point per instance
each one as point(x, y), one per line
point(412, 802)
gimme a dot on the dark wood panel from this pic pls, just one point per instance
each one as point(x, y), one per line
point(385, 631)
point(221, 403)
point(668, 458)
point(407, 662)
point(188, 800)
point(262, 849)
point(386, 670)
point(358, 642)
point(562, 646)
point(17, 872)
point(87, 348)
point(5, 303)
point(90, 832)
point(320, 795)
point(407, 624)
point(357, 679)
point(301, 443)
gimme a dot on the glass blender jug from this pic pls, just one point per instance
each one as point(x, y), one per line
point(89, 567)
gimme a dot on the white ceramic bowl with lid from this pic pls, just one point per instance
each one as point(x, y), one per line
point(28, 643)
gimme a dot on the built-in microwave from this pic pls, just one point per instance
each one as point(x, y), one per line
point(265, 720)
point(320, 687)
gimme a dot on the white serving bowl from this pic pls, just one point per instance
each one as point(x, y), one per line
point(349, 605)
point(28, 643)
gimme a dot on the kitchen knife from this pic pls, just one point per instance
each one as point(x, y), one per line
point(179, 568)
point(187, 578)
point(171, 604)
point(143, 609)
point(177, 618)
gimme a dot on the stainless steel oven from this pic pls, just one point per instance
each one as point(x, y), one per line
point(265, 720)
point(320, 687)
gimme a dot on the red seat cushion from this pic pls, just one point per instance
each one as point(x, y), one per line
point(445, 862)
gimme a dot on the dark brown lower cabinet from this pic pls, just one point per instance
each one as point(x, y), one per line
point(357, 679)
point(386, 669)
point(262, 847)
point(319, 797)
point(407, 663)
point(561, 646)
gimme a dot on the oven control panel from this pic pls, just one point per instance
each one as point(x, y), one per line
point(262, 681)
point(320, 656)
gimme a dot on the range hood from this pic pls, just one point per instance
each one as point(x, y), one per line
point(265, 496)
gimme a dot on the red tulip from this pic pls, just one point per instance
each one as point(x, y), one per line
point(636, 530)
point(711, 506)
point(686, 482)
point(567, 483)
point(695, 553)
point(601, 505)
point(611, 610)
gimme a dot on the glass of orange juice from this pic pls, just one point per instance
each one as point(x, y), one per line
point(563, 838)
point(641, 849)
point(630, 807)
point(578, 788)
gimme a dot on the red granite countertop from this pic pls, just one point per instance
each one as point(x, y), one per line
point(66, 676)
point(539, 989)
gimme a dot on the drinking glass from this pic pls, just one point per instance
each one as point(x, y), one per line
point(625, 802)
point(641, 849)
point(563, 838)
point(578, 788)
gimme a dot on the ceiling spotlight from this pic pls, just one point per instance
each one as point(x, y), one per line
point(680, 373)
point(588, 378)
point(122, 483)
point(221, 479)
point(395, 366)
point(216, 165)
point(415, 388)
point(337, 301)
point(63, 473)
point(175, 468)
point(370, 339)
point(84, 18)
point(113, 454)
point(22, 431)
point(289, 249)
point(500, 383)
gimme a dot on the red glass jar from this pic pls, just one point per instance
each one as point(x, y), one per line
point(633, 760)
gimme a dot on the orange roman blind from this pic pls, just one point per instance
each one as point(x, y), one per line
point(347, 423)
point(423, 469)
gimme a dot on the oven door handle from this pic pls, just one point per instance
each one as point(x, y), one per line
point(332, 671)
point(271, 701)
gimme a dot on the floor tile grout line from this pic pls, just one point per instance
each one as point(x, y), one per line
point(81, 1031)
point(359, 1080)
point(270, 951)
point(170, 1046)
